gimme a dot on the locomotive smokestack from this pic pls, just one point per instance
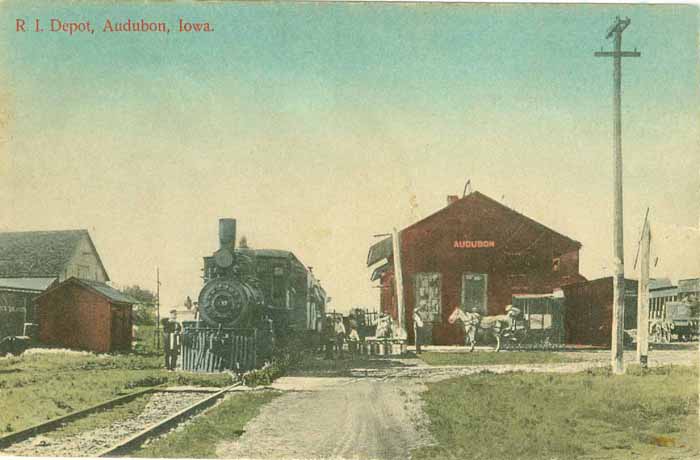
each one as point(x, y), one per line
point(227, 233)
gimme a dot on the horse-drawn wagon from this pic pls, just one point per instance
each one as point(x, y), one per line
point(531, 322)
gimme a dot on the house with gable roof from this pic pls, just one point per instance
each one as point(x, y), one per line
point(32, 262)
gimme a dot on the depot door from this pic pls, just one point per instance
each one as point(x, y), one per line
point(428, 303)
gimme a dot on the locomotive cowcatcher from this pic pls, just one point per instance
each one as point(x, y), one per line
point(252, 303)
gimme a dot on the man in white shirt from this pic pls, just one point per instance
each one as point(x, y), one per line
point(417, 330)
point(339, 335)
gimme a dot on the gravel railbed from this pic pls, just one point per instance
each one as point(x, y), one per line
point(89, 443)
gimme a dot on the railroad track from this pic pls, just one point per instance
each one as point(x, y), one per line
point(136, 440)
point(120, 437)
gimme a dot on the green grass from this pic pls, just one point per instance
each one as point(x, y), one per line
point(36, 387)
point(146, 341)
point(503, 357)
point(552, 416)
point(199, 438)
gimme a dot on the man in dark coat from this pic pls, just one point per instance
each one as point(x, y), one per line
point(171, 340)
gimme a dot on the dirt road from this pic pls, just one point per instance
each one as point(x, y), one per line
point(335, 418)
point(374, 413)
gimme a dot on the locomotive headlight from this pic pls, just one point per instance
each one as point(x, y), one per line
point(222, 302)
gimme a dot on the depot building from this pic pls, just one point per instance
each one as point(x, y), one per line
point(475, 253)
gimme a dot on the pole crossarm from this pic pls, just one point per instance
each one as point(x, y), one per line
point(616, 54)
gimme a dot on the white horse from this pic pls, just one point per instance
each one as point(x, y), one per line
point(472, 322)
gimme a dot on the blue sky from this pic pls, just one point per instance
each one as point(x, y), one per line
point(318, 125)
point(424, 56)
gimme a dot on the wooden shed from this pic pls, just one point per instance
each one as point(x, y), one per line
point(86, 315)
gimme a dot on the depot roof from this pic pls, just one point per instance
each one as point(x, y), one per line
point(384, 248)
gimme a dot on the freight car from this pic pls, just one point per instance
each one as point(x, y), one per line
point(253, 301)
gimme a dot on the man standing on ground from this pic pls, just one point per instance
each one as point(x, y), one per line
point(171, 340)
point(353, 341)
point(339, 335)
point(417, 327)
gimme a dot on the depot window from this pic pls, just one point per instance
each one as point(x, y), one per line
point(428, 295)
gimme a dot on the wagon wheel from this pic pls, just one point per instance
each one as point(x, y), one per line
point(506, 339)
point(509, 340)
point(547, 342)
point(522, 339)
point(525, 340)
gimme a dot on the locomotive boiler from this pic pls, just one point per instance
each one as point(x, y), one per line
point(232, 296)
point(252, 301)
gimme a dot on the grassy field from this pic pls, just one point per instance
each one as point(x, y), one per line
point(199, 438)
point(44, 384)
point(503, 357)
point(546, 416)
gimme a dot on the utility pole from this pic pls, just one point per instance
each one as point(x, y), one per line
point(643, 296)
point(158, 307)
point(398, 273)
point(618, 322)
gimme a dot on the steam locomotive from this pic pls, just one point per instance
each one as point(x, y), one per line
point(252, 300)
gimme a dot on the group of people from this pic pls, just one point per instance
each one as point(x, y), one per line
point(335, 332)
point(334, 335)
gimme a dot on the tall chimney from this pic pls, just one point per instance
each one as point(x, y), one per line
point(451, 199)
point(227, 233)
